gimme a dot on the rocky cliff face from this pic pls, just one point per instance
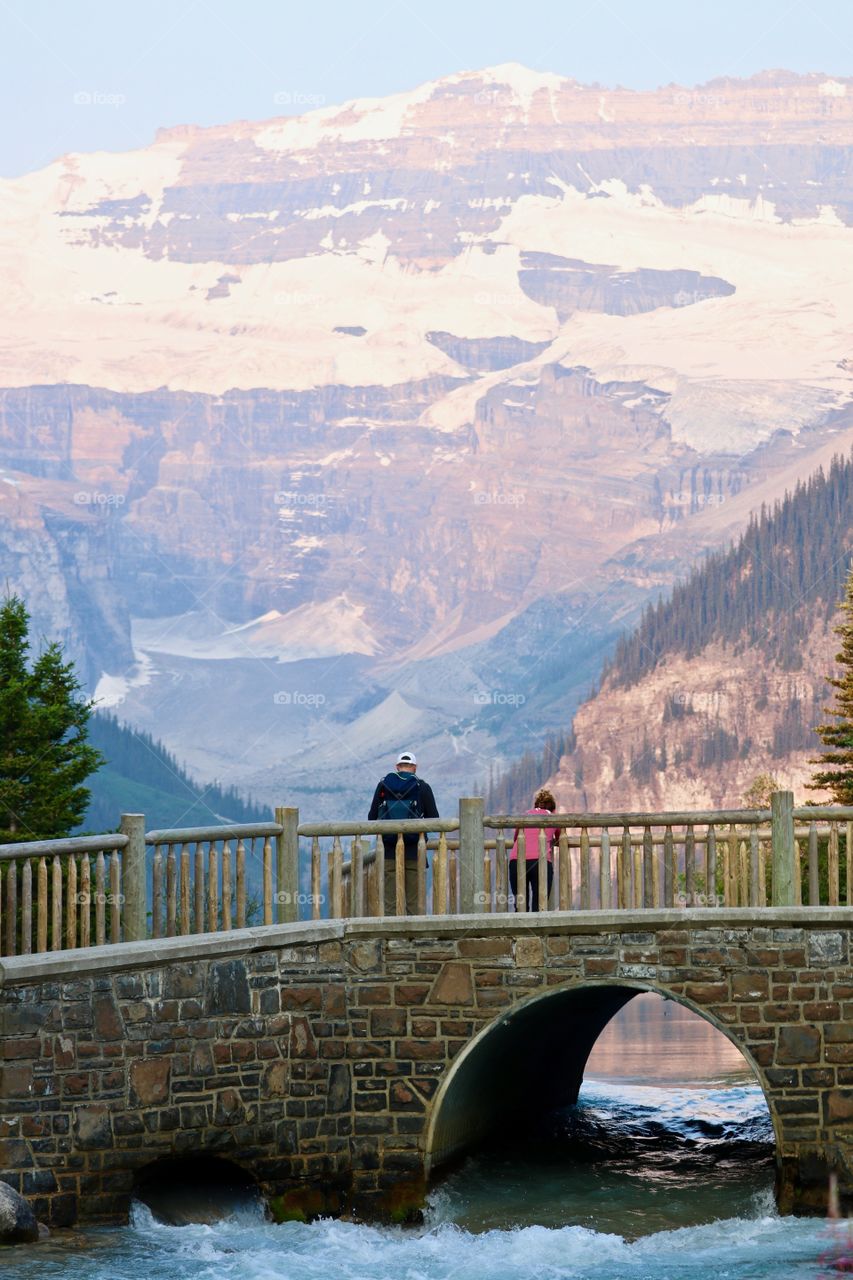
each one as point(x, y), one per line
point(400, 409)
point(696, 733)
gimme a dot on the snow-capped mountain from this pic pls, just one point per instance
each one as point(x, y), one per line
point(398, 409)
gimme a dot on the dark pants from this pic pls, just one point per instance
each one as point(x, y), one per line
point(410, 865)
point(532, 882)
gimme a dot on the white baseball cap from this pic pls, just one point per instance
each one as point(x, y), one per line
point(406, 757)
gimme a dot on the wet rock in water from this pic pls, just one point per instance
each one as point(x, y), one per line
point(17, 1221)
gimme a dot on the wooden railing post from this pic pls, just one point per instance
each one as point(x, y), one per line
point(287, 865)
point(134, 908)
point(472, 848)
point(782, 830)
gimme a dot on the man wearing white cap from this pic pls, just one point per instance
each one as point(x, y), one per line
point(402, 795)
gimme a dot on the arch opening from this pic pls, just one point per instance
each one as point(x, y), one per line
point(196, 1188)
point(515, 1101)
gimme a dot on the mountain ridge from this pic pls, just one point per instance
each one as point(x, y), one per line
point(723, 680)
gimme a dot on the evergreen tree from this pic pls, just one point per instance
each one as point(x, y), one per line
point(45, 757)
point(759, 791)
point(836, 774)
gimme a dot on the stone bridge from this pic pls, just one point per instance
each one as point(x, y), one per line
point(341, 1063)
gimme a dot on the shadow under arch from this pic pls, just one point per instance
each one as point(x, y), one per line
point(179, 1189)
point(531, 1059)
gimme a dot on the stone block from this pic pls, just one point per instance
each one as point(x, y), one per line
point(92, 1127)
point(149, 1081)
point(229, 1108)
point(529, 954)
point(269, 1001)
point(798, 1045)
point(18, 1080)
point(25, 1047)
point(340, 1088)
point(421, 1050)
point(411, 993)
point(822, 1011)
point(825, 949)
point(840, 1033)
point(77, 1016)
point(227, 988)
point(839, 1053)
point(303, 998)
point(14, 1154)
point(485, 948)
point(359, 1048)
point(302, 1042)
point(334, 1000)
point(818, 1077)
point(749, 986)
point(838, 1106)
point(798, 1106)
point(495, 998)
point(454, 985)
point(364, 955)
point(372, 995)
point(781, 1012)
point(391, 1022)
point(403, 1098)
point(706, 992)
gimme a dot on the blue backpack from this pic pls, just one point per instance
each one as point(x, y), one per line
point(401, 799)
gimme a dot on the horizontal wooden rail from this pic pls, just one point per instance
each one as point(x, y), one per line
point(410, 826)
point(237, 831)
point(681, 818)
point(62, 848)
point(824, 813)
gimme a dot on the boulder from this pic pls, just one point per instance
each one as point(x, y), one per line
point(17, 1221)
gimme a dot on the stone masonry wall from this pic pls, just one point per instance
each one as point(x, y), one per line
point(311, 1055)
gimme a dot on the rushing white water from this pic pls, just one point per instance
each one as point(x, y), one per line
point(758, 1247)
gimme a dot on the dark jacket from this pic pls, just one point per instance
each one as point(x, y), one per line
point(426, 807)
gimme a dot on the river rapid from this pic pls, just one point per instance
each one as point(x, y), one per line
point(639, 1181)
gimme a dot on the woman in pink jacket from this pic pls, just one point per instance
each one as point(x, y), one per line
point(543, 802)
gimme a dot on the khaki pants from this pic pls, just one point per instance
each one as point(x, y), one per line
point(411, 869)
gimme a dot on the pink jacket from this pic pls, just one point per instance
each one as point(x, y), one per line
point(531, 840)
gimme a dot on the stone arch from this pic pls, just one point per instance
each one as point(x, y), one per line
point(197, 1186)
point(543, 1041)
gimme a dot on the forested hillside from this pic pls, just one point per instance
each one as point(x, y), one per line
point(786, 573)
point(140, 776)
point(720, 681)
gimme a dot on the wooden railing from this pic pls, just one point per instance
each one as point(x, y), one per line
point(634, 861)
point(819, 866)
point(61, 894)
point(199, 877)
point(89, 890)
point(358, 886)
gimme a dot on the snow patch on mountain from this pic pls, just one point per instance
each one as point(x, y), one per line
point(359, 120)
point(321, 630)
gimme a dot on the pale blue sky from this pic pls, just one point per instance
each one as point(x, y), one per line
point(82, 75)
